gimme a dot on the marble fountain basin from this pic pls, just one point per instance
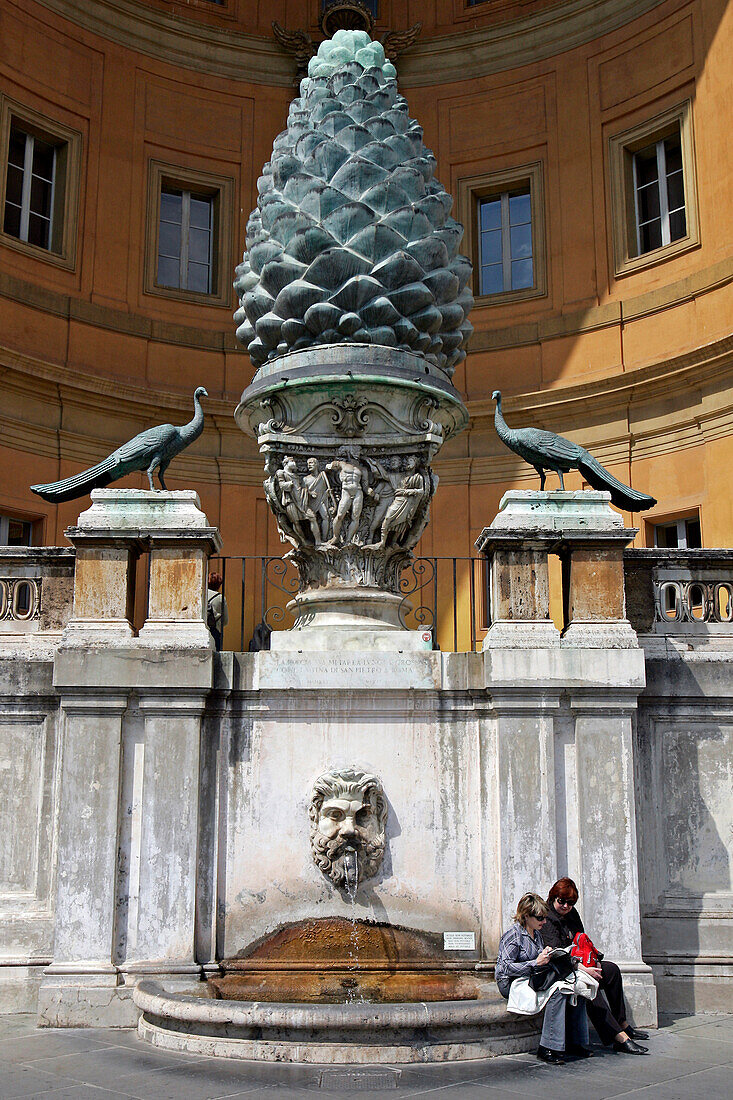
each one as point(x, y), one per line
point(361, 1033)
point(331, 990)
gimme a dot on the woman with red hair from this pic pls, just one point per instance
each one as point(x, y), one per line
point(608, 1011)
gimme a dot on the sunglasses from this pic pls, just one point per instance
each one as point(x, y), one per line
point(541, 919)
point(565, 902)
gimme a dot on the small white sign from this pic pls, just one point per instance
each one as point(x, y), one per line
point(459, 941)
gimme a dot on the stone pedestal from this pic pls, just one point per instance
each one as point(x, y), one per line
point(347, 433)
point(589, 537)
point(129, 792)
point(109, 537)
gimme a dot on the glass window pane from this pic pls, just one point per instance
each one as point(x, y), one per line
point(667, 536)
point(170, 240)
point(646, 165)
point(522, 276)
point(492, 280)
point(675, 191)
point(491, 214)
point(648, 202)
point(169, 272)
point(42, 159)
point(14, 186)
point(16, 153)
point(170, 206)
point(200, 213)
point(19, 534)
point(694, 536)
point(677, 225)
point(491, 247)
point(198, 245)
point(673, 154)
point(11, 222)
point(40, 197)
point(521, 241)
point(651, 236)
point(198, 277)
point(38, 230)
point(520, 209)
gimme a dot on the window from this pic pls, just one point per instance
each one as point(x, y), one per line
point(29, 188)
point(188, 249)
point(505, 242)
point(659, 190)
point(185, 240)
point(40, 181)
point(679, 534)
point(505, 229)
point(653, 195)
point(15, 532)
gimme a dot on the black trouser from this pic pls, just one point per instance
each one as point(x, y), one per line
point(607, 1011)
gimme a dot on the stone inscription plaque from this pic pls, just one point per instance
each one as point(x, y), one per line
point(459, 941)
point(349, 671)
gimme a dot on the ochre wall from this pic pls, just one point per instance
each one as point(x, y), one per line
point(638, 368)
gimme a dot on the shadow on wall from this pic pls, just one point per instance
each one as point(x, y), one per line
point(684, 779)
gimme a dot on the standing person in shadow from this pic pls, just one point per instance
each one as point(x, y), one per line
point(521, 948)
point(217, 612)
point(608, 1010)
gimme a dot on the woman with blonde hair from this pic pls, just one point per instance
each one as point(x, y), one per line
point(522, 948)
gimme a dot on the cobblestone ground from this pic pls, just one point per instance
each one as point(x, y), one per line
point(691, 1057)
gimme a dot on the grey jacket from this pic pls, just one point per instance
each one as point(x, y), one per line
point(517, 952)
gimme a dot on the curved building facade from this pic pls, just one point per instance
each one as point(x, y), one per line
point(586, 144)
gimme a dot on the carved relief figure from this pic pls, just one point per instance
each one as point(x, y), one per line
point(320, 495)
point(294, 498)
point(389, 476)
point(407, 499)
point(351, 502)
point(272, 497)
point(348, 810)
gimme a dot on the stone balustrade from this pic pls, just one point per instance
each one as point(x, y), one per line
point(36, 588)
point(680, 592)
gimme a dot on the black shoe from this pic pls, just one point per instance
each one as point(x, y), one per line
point(552, 1057)
point(629, 1047)
point(579, 1052)
point(634, 1033)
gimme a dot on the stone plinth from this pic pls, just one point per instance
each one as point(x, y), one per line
point(109, 536)
point(589, 537)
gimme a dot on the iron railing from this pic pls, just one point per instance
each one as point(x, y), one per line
point(442, 594)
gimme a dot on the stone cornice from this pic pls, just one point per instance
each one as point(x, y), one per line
point(259, 60)
point(493, 49)
point(572, 407)
point(483, 340)
point(220, 51)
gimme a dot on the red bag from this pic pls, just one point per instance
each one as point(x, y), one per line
point(584, 951)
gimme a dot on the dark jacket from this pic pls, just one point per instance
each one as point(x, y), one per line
point(559, 931)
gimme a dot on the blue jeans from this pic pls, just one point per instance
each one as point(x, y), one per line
point(564, 1023)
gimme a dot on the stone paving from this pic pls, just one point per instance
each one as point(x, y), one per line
point(691, 1059)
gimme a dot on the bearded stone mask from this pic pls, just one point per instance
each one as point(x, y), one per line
point(348, 812)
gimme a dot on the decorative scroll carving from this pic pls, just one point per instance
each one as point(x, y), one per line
point(20, 599)
point(348, 814)
point(681, 604)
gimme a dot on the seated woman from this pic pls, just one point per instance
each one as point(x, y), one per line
point(607, 1012)
point(520, 949)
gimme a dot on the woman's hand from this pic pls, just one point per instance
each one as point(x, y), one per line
point(543, 956)
point(594, 971)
